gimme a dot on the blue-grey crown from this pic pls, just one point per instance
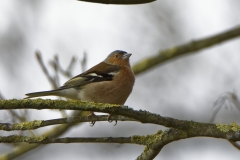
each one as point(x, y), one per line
point(117, 51)
point(120, 52)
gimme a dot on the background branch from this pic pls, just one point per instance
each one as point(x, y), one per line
point(45, 71)
point(192, 46)
point(55, 131)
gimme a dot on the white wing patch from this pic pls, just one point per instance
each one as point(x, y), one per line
point(94, 74)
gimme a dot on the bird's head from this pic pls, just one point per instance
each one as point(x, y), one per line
point(118, 57)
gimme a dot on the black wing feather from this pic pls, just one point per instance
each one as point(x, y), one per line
point(98, 73)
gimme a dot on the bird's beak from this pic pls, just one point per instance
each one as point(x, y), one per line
point(127, 55)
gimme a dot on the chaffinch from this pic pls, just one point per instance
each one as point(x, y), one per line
point(110, 81)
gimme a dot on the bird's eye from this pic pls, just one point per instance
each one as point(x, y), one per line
point(116, 56)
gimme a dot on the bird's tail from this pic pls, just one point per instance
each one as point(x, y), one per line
point(43, 93)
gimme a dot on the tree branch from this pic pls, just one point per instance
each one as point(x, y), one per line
point(184, 49)
point(230, 132)
point(46, 140)
point(235, 144)
point(43, 123)
point(154, 143)
point(55, 132)
point(168, 136)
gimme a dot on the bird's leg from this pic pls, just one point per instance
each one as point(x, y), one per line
point(90, 115)
point(110, 121)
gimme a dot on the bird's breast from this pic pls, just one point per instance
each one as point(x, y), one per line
point(114, 92)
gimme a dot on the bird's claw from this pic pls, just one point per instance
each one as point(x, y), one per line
point(91, 122)
point(110, 121)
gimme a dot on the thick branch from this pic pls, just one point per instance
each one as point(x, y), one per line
point(154, 143)
point(168, 136)
point(193, 46)
point(192, 128)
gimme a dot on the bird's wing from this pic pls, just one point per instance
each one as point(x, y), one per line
point(98, 73)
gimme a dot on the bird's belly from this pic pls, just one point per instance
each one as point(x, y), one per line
point(105, 92)
point(70, 93)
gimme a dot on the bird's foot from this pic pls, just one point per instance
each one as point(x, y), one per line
point(110, 121)
point(91, 114)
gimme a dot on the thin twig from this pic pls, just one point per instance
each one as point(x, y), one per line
point(83, 62)
point(45, 140)
point(42, 123)
point(70, 67)
point(14, 114)
point(235, 144)
point(55, 63)
point(45, 71)
point(227, 99)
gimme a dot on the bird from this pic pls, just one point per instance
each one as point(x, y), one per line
point(111, 81)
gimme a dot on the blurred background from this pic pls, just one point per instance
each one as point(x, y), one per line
point(186, 88)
